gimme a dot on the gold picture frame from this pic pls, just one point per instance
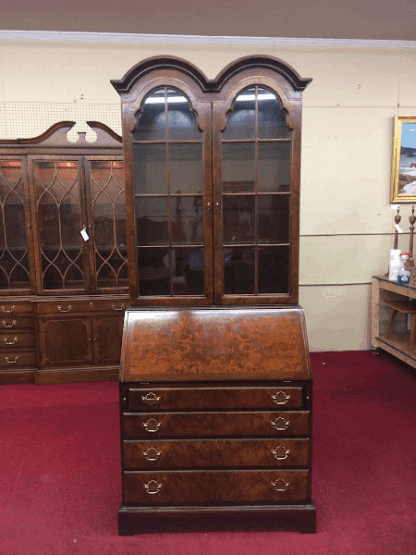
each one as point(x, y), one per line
point(403, 165)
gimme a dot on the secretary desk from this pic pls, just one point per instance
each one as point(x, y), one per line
point(215, 378)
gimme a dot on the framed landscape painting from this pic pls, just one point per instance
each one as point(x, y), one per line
point(403, 171)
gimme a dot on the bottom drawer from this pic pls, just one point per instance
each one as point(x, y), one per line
point(17, 359)
point(216, 487)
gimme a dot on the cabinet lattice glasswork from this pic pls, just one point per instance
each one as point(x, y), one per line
point(215, 379)
point(212, 171)
point(62, 245)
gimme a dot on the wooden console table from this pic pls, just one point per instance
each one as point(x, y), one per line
point(389, 332)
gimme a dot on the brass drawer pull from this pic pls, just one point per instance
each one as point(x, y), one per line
point(281, 398)
point(280, 453)
point(151, 425)
point(6, 325)
point(8, 311)
point(280, 423)
point(151, 398)
point(10, 342)
point(64, 311)
point(152, 454)
point(152, 487)
point(113, 306)
point(280, 485)
point(12, 361)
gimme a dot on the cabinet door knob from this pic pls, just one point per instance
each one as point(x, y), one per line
point(151, 425)
point(281, 398)
point(113, 306)
point(280, 423)
point(280, 453)
point(8, 310)
point(280, 485)
point(152, 487)
point(11, 325)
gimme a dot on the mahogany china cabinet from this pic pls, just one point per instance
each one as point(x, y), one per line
point(63, 258)
point(215, 378)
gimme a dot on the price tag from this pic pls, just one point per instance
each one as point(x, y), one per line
point(84, 234)
point(398, 228)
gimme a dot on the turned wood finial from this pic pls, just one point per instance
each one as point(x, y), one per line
point(412, 220)
point(397, 219)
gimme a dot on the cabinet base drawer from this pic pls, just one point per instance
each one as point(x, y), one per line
point(9, 360)
point(215, 424)
point(216, 487)
point(211, 453)
point(144, 520)
point(210, 398)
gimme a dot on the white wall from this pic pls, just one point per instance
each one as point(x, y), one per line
point(346, 219)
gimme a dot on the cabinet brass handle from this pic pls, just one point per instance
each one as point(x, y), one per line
point(10, 342)
point(152, 454)
point(6, 325)
point(280, 453)
point(113, 306)
point(151, 425)
point(280, 398)
point(280, 423)
point(151, 398)
point(12, 361)
point(280, 485)
point(65, 310)
point(8, 311)
point(152, 487)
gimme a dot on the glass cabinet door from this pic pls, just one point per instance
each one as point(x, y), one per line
point(105, 178)
point(255, 194)
point(61, 223)
point(14, 256)
point(168, 198)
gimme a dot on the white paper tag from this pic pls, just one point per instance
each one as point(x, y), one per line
point(84, 234)
point(398, 228)
point(394, 206)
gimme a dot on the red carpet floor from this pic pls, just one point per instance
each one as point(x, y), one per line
point(60, 477)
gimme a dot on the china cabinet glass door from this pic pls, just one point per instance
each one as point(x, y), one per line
point(14, 256)
point(168, 198)
point(108, 248)
point(212, 181)
point(60, 213)
point(254, 153)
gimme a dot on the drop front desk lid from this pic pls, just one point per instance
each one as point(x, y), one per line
point(214, 344)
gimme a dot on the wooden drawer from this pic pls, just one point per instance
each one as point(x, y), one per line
point(216, 487)
point(10, 360)
point(216, 453)
point(67, 306)
point(215, 424)
point(193, 398)
point(11, 323)
point(10, 309)
point(18, 340)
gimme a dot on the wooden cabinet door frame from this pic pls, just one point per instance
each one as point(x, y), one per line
point(79, 160)
point(21, 158)
point(212, 100)
point(201, 105)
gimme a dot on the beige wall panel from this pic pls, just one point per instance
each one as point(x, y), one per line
point(349, 76)
point(346, 167)
point(337, 318)
point(345, 259)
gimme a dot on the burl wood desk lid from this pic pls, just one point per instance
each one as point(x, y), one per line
point(214, 344)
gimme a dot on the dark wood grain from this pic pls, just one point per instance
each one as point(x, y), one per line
point(210, 453)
